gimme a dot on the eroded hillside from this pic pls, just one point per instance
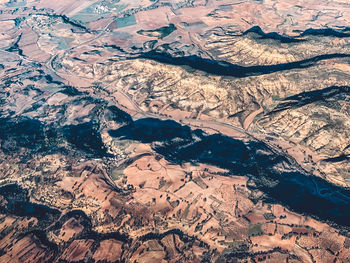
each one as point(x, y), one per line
point(218, 132)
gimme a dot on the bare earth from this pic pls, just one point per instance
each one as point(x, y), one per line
point(174, 131)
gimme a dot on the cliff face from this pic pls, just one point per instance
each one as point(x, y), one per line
point(217, 132)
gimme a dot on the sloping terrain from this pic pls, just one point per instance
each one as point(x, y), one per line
point(217, 132)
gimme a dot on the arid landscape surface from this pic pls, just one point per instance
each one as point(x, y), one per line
point(174, 131)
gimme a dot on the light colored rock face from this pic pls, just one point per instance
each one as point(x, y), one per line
point(320, 127)
point(252, 49)
point(214, 95)
point(174, 131)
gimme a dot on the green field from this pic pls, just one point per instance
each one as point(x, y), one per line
point(63, 42)
point(126, 21)
point(97, 11)
point(16, 4)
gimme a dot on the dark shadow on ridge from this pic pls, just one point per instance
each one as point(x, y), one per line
point(86, 137)
point(340, 158)
point(308, 97)
point(327, 32)
point(224, 68)
point(272, 35)
point(18, 204)
point(21, 132)
point(37, 137)
point(150, 130)
point(299, 191)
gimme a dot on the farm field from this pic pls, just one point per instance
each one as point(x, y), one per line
point(174, 131)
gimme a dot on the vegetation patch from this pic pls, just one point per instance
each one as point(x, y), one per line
point(255, 230)
point(159, 32)
point(126, 21)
